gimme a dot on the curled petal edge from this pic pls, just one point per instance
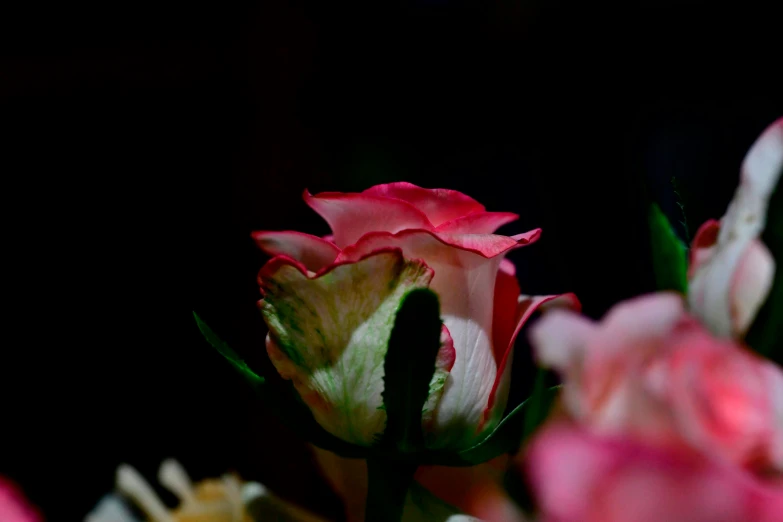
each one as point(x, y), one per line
point(527, 306)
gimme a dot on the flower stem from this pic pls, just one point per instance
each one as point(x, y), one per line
point(388, 481)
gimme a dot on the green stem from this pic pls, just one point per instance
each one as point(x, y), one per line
point(535, 411)
point(388, 482)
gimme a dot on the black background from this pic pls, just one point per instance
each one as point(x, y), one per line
point(142, 143)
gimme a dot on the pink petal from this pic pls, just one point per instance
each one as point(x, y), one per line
point(644, 317)
point(504, 343)
point(719, 395)
point(353, 215)
point(443, 365)
point(774, 379)
point(750, 285)
point(14, 507)
point(313, 252)
point(477, 223)
point(485, 245)
point(489, 245)
point(505, 318)
point(439, 205)
point(464, 280)
point(578, 477)
point(508, 267)
point(560, 337)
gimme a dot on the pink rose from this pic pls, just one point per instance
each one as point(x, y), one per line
point(731, 270)
point(14, 507)
point(577, 476)
point(330, 306)
point(650, 372)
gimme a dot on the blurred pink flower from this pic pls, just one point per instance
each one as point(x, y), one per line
point(14, 507)
point(731, 270)
point(649, 371)
point(577, 476)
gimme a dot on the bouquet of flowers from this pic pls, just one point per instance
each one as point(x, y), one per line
point(396, 334)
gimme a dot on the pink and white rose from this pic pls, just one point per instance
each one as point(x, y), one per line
point(731, 270)
point(330, 304)
point(650, 372)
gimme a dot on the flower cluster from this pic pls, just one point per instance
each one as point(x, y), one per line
point(666, 409)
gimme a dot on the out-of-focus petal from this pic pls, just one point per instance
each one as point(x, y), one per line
point(750, 285)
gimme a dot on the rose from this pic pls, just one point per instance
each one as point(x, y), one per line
point(577, 476)
point(731, 270)
point(330, 305)
point(651, 372)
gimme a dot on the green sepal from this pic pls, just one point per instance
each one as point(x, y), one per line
point(408, 368)
point(670, 260)
point(505, 438)
point(285, 402)
point(766, 333)
point(225, 350)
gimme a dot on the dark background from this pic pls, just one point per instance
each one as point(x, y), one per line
point(142, 143)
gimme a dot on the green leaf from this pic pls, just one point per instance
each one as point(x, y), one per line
point(285, 402)
point(670, 262)
point(225, 350)
point(408, 369)
point(766, 333)
point(540, 403)
point(505, 438)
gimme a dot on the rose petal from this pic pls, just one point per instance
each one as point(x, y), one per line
point(774, 378)
point(313, 252)
point(485, 245)
point(559, 339)
point(644, 317)
point(579, 477)
point(504, 344)
point(713, 291)
point(719, 397)
point(508, 267)
point(477, 223)
point(709, 290)
point(329, 333)
point(462, 279)
point(353, 215)
point(14, 507)
point(599, 362)
point(750, 285)
point(443, 364)
point(439, 205)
